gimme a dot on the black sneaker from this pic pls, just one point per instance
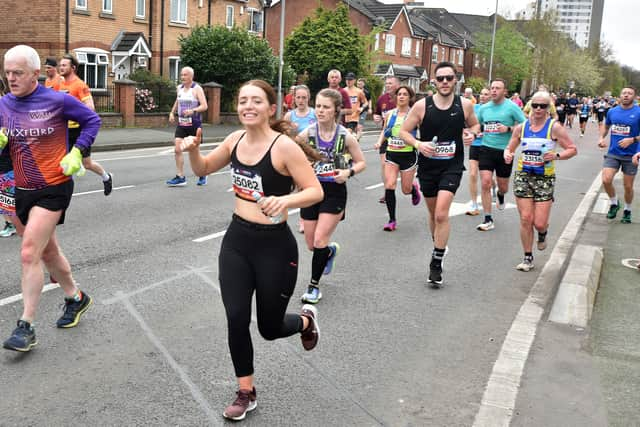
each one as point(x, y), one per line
point(311, 335)
point(435, 276)
point(613, 210)
point(22, 339)
point(73, 310)
point(542, 241)
point(108, 185)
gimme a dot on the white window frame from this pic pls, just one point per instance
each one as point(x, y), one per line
point(252, 12)
point(81, 4)
point(175, 68)
point(107, 6)
point(229, 17)
point(434, 53)
point(101, 67)
point(376, 45)
point(141, 4)
point(417, 49)
point(406, 46)
point(460, 57)
point(180, 5)
point(390, 44)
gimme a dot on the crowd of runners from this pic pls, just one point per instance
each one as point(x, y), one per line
point(303, 161)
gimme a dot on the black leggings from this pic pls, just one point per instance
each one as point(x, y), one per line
point(264, 259)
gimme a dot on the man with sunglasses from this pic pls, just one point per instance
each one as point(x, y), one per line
point(497, 118)
point(446, 122)
point(624, 123)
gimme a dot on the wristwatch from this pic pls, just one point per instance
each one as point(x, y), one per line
point(558, 156)
point(351, 172)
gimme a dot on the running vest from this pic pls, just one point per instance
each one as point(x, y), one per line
point(187, 100)
point(394, 142)
point(303, 122)
point(447, 125)
point(534, 145)
point(333, 151)
point(584, 111)
point(261, 177)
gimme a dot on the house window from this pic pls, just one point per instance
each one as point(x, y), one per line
point(93, 69)
point(107, 6)
point(174, 68)
point(376, 45)
point(255, 20)
point(390, 44)
point(476, 61)
point(434, 54)
point(179, 11)
point(81, 4)
point(229, 19)
point(140, 9)
point(460, 57)
point(406, 46)
point(417, 50)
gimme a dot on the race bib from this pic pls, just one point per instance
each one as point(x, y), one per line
point(245, 182)
point(621, 130)
point(185, 121)
point(7, 191)
point(560, 108)
point(396, 143)
point(325, 172)
point(532, 159)
point(583, 114)
point(444, 150)
point(492, 127)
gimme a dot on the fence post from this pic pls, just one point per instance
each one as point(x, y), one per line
point(125, 102)
point(212, 91)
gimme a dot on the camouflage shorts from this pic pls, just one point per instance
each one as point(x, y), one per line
point(536, 187)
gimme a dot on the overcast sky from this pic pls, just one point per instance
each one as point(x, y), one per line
point(623, 38)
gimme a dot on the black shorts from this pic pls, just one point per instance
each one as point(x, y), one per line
point(572, 111)
point(352, 126)
point(383, 147)
point(53, 198)
point(184, 131)
point(334, 202)
point(584, 119)
point(405, 160)
point(474, 152)
point(73, 134)
point(562, 116)
point(435, 179)
point(492, 159)
point(600, 117)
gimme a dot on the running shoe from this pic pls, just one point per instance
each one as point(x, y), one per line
point(246, 401)
point(626, 217)
point(8, 230)
point(202, 180)
point(415, 194)
point(485, 226)
point(382, 200)
point(312, 296)
point(22, 339)
point(525, 265)
point(73, 310)
point(335, 250)
point(390, 226)
point(474, 211)
point(435, 276)
point(177, 181)
point(108, 185)
point(613, 210)
point(311, 335)
point(542, 241)
point(500, 203)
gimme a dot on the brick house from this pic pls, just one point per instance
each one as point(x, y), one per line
point(111, 38)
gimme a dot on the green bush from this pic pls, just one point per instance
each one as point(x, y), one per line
point(162, 91)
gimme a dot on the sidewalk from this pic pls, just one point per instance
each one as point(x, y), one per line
point(111, 139)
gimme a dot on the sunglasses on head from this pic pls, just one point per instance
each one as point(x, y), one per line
point(535, 105)
point(449, 78)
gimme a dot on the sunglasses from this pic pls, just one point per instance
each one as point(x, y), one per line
point(542, 106)
point(449, 78)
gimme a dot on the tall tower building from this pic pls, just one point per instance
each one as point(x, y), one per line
point(580, 19)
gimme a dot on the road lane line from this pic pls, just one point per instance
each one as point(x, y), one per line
point(124, 187)
point(212, 416)
point(222, 233)
point(18, 297)
point(501, 392)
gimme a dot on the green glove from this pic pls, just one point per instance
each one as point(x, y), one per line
point(72, 162)
point(3, 138)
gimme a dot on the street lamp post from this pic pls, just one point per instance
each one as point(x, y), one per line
point(493, 41)
point(281, 60)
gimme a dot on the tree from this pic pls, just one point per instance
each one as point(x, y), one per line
point(476, 83)
point(229, 57)
point(323, 42)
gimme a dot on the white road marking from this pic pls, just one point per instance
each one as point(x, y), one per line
point(124, 187)
point(193, 388)
point(165, 152)
point(501, 392)
point(602, 204)
point(628, 262)
point(222, 233)
point(461, 208)
point(18, 297)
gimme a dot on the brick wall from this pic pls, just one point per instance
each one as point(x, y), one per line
point(111, 120)
point(152, 120)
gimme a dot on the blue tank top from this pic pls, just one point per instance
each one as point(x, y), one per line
point(534, 146)
point(303, 122)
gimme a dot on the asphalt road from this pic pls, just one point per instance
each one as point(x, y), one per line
point(153, 351)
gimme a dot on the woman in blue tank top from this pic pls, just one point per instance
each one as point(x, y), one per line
point(259, 253)
point(302, 116)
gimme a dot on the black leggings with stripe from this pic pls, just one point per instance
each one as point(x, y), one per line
point(262, 259)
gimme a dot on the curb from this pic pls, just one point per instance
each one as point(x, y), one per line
point(576, 295)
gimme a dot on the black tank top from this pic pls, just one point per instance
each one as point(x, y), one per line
point(447, 125)
point(261, 177)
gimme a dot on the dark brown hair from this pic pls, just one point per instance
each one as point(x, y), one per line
point(412, 94)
